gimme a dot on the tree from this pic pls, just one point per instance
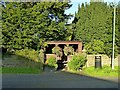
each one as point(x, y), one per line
point(95, 47)
point(118, 27)
point(30, 24)
point(94, 21)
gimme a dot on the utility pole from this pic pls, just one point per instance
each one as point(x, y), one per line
point(113, 52)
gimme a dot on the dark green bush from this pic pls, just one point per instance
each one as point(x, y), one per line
point(77, 62)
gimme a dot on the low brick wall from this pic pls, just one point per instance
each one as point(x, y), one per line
point(105, 60)
point(50, 55)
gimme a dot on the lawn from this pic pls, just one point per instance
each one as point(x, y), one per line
point(14, 64)
point(104, 71)
point(20, 70)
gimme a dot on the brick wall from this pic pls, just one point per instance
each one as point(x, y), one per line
point(50, 55)
point(105, 60)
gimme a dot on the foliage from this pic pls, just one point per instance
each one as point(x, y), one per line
point(109, 50)
point(28, 53)
point(41, 56)
point(57, 50)
point(77, 62)
point(68, 50)
point(30, 24)
point(118, 23)
point(52, 62)
point(95, 47)
point(94, 21)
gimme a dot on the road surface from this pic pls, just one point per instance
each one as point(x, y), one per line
point(57, 79)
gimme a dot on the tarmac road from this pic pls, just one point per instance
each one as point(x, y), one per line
point(57, 79)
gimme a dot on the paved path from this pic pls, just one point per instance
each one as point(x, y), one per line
point(54, 80)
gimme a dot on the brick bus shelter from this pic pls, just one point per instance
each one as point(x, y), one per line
point(76, 45)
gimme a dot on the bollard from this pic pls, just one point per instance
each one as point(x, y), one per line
point(98, 62)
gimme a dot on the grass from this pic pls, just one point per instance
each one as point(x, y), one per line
point(104, 71)
point(14, 64)
point(20, 70)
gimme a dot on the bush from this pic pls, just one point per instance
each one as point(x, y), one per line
point(41, 56)
point(77, 62)
point(52, 62)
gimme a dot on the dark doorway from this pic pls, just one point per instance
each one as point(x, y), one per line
point(49, 48)
point(75, 46)
point(60, 62)
point(60, 65)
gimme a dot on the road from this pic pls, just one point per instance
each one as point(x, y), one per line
point(57, 79)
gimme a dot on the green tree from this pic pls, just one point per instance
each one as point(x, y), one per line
point(29, 25)
point(118, 26)
point(94, 21)
point(95, 47)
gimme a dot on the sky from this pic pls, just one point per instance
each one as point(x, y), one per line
point(75, 3)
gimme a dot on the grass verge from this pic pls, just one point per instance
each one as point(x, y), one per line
point(14, 64)
point(105, 71)
point(20, 70)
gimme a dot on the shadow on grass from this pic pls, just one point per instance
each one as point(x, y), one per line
point(95, 83)
point(20, 65)
point(94, 77)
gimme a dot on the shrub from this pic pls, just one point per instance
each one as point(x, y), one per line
point(77, 62)
point(52, 62)
point(41, 56)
